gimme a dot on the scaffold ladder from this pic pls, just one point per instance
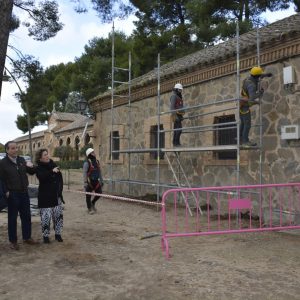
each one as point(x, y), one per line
point(182, 175)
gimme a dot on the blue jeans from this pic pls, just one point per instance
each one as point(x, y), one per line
point(19, 203)
point(245, 127)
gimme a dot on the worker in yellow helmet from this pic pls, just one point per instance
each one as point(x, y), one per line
point(251, 93)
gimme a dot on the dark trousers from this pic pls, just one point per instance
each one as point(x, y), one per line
point(96, 187)
point(19, 203)
point(177, 133)
point(245, 127)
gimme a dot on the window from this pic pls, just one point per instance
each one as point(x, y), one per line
point(225, 134)
point(76, 144)
point(87, 139)
point(115, 144)
point(154, 141)
point(77, 141)
point(61, 142)
point(68, 141)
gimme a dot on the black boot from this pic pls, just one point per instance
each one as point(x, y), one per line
point(46, 240)
point(58, 238)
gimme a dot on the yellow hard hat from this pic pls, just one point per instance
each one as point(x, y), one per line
point(256, 71)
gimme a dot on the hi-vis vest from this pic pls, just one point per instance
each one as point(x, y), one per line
point(244, 103)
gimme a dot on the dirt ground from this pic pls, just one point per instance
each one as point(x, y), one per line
point(104, 257)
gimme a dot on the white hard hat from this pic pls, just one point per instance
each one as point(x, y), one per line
point(178, 86)
point(89, 151)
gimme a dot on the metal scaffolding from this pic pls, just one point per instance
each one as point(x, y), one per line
point(181, 179)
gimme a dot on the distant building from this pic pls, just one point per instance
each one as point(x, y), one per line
point(64, 129)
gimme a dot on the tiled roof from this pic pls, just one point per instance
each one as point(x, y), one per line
point(248, 41)
point(33, 136)
point(63, 116)
point(79, 123)
point(218, 53)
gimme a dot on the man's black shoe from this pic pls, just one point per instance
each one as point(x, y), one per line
point(30, 242)
point(14, 246)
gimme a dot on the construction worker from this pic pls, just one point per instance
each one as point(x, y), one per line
point(176, 103)
point(251, 93)
point(93, 180)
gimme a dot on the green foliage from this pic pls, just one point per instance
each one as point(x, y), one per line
point(109, 10)
point(65, 153)
point(214, 20)
point(71, 102)
point(71, 164)
point(90, 74)
point(42, 21)
point(44, 18)
point(30, 71)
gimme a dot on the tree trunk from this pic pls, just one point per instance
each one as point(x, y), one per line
point(5, 18)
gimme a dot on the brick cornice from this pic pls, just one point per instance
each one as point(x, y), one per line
point(274, 53)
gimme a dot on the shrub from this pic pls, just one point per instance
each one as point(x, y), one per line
point(70, 164)
point(65, 153)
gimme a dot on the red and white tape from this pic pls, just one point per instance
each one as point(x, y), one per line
point(113, 197)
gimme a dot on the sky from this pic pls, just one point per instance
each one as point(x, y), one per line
point(64, 47)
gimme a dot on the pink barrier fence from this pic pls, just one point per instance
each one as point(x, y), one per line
point(229, 209)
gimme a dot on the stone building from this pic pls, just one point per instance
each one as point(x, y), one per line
point(211, 89)
point(63, 129)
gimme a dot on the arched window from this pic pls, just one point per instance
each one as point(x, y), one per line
point(61, 142)
point(87, 139)
point(68, 141)
point(77, 141)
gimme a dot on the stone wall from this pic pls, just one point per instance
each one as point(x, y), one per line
point(280, 158)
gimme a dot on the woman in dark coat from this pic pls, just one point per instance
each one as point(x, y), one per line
point(50, 195)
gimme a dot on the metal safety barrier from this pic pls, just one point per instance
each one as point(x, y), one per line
point(229, 209)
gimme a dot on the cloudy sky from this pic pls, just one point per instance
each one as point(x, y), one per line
point(68, 44)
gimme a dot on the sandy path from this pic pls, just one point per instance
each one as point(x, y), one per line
point(103, 257)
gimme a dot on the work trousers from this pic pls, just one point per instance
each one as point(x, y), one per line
point(18, 203)
point(177, 133)
point(245, 127)
point(93, 187)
